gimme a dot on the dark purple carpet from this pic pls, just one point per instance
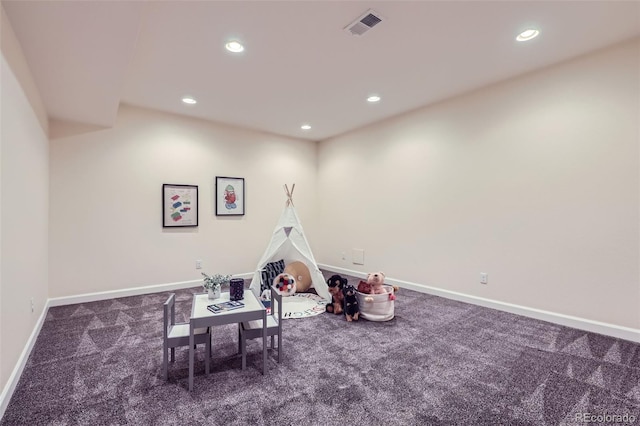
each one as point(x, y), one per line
point(439, 362)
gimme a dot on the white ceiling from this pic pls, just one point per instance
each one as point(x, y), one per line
point(300, 65)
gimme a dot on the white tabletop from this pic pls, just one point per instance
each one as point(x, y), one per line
point(201, 301)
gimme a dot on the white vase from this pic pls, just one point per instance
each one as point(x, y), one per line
point(214, 293)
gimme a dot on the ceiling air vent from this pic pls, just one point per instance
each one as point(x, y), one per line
point(364, 23)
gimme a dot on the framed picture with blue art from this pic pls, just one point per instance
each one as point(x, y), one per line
point(230, 199)
point(179, 205)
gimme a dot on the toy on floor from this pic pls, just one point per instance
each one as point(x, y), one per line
point(302, 275)
point(376, 280)
point(336, 283)
point(265, 298)
point(285, 284)
point(351, 308)
point(266, 295)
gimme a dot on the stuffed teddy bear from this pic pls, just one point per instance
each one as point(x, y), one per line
point(336, 283)
point(285, 284)
point(351, 308)
point(376, 280)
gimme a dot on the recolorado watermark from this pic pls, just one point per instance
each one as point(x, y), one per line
point(605, 418)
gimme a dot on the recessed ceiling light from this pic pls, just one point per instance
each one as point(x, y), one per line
point(189, 100)
point(305, 127)
point(374, 98)
point(527, 35)
point(234, 46)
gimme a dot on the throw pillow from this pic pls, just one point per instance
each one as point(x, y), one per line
point(269, 273)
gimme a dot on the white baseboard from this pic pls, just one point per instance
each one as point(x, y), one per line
point(11, 384)
point(134, 291)
point(113, 294)
point(612, 330)
point(340, 270)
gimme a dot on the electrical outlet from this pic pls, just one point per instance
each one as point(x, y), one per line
point(33, 308)
point(484, 278)
point(344, 256)
point(198, 264)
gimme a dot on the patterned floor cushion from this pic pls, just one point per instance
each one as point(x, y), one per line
point(269, 272)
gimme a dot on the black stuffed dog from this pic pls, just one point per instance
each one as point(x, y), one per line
point(336, 283)
point(351, 308)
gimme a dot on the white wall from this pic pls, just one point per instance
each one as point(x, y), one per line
point(534, 181)
point(24, 187)
point(24, 208)
point(106, 209)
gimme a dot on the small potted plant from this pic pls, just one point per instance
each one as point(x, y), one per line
point(213, 284)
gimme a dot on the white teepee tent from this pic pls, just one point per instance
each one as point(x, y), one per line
point(289, 243)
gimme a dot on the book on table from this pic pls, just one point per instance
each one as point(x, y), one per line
point(216, 308)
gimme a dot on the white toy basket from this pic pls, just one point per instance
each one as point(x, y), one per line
point(380, 308)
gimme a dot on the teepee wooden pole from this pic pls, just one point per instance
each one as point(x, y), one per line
point(289, 194)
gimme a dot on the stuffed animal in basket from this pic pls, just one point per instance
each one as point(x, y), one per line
point(364, 287)
point(285, 284)
point(351, 308)
point(336, 283)
point(376, 280)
